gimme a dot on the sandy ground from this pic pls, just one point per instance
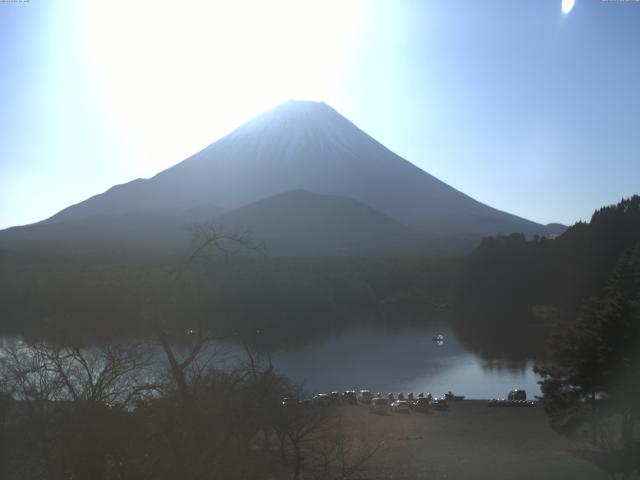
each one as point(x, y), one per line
point(469, 441)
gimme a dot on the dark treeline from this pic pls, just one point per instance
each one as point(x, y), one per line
point(254, 298)
point(581, 293)
point(510, 282)
point(594, 371)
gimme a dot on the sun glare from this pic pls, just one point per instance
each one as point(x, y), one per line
point(186, 71)
point(567, 5)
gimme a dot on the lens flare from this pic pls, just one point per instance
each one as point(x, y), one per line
point(567, 5)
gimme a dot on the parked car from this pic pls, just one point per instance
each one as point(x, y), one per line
point(517, 395)
point(322, 399)
point(501, 402)
point(410, 397)
point(379, 405)
point(365, 396)
point(391, 397)
point(334, 397)
point(497, 402)
point(401, 406)
point(350, 397)
point(450, 397)
point(421, 404)
point(439, 404)
point(400, 396)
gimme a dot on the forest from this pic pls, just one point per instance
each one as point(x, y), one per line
point(291, 300)
point(510, 283)
point(582, 290)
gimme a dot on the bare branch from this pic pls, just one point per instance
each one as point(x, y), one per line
point(212, 237)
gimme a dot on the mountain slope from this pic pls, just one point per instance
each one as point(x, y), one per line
point(309, 146)
point(301, 222)
point(129, 231)
point(290, 223)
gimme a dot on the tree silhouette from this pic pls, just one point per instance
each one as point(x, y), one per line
point(595, 360)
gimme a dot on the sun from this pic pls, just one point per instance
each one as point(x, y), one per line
point(184, 73)
point(567, 5)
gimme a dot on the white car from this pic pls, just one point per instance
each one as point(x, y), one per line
point(439, 404)
point(401, 406)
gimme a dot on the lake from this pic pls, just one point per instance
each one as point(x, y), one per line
point(393, 358)
point(403, 359)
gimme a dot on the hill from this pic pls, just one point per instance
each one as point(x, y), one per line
point(299, 222)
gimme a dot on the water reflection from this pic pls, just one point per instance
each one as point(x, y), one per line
point(405, 359)
point(389, 358)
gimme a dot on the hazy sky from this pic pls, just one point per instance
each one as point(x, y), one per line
point(515, 103)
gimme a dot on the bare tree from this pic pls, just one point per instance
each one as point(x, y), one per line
point(341, 455)
point(73, 403)
point(210, 239)
point(302, 426)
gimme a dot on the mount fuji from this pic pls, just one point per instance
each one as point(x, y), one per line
point(296, 172)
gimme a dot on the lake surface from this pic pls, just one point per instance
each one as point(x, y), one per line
point(396, 358)
point(402, 359)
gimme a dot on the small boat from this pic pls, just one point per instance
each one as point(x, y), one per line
point(438, 339)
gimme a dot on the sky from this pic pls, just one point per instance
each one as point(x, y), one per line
point(519, 104)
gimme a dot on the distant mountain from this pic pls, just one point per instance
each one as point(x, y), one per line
point(290, 223)
point(129, 231)
point(121, 231)
point(302, 222)
point(295, 146)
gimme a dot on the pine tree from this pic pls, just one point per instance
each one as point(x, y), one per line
point(595, 359)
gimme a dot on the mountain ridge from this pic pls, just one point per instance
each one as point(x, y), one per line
point(304, 146)
point(296, 222)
